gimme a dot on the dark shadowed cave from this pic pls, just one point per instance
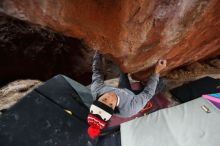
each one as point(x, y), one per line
point(30, 51)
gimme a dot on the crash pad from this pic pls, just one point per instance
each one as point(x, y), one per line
point(196, 88)
point(40, 118)
point(217, 95)
point(195, 123)
point(213, 98)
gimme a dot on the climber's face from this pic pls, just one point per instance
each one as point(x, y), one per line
point(110, 99)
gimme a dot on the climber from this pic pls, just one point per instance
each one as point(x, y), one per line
point(108, 99)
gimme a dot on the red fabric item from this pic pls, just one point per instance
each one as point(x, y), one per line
point(96, 125)
point(147, 107)
point(93, 132)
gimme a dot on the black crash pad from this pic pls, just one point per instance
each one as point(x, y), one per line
point(195, 89)
point(39, 118)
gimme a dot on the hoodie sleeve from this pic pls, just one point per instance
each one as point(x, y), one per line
point(140, 100)
point(97, 76)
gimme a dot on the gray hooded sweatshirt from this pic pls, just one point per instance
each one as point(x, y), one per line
point(129, 103)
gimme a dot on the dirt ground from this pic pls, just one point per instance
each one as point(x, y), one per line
point(14, 91)
point(210, 67)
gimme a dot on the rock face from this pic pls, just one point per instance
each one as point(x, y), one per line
point(30, 51)
point(135, 34)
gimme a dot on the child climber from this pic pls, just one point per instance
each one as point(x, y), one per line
point(107, 98)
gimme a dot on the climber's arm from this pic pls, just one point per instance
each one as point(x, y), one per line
point(97, 76)
point(140, 100)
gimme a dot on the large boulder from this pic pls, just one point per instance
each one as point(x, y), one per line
point(135, 34)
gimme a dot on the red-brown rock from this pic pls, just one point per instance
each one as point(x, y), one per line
point(134, 33)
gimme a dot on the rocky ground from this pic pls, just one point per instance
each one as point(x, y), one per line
point(14, 91)
point(209, 67)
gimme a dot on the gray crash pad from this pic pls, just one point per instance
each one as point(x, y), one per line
point(187, 124)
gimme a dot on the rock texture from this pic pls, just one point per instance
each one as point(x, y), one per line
point(134, 33)
point(32, 52)
point(14, 91)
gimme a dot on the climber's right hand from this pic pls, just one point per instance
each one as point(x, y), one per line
point(161, 64)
